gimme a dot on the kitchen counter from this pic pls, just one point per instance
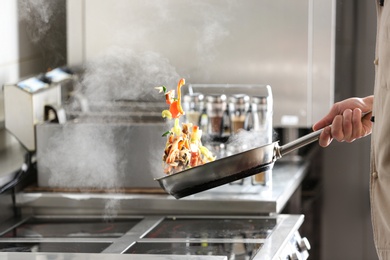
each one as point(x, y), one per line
point(227, 199)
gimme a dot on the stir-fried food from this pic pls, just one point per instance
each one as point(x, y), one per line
point(184, 147)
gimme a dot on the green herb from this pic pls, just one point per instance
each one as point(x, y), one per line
point(162, 89)
point(166, 133)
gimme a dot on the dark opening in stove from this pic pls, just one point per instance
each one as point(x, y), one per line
point(66, 227)
point(60, 247)
point(213, 228)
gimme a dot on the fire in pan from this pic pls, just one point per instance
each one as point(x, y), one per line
point(231, 168)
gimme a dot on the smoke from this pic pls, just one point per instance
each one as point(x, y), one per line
point(38, 15)
point(45, 24)
point(111, 209)
point(212, 32)
point(190, 32)
point(82, 155)
point(93, 152)
point(122, 74)
point(246, 140)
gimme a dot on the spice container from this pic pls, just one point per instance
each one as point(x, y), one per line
point(216, 115)
point(259, 120)
point(238, 107)
point(259, 117)
point(193, 107)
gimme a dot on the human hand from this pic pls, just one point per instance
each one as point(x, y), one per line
point(347, 121)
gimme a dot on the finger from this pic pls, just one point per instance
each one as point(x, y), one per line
point(321, 124)
point(337, 128)
point(325, 137)
point(366, 124)
point(357, 126)
point(326, 121)
point(347, 125)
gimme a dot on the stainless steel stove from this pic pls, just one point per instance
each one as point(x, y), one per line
point(240, 237)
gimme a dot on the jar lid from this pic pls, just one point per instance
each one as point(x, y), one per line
point(260, 100)
point(216, 98)
point(194, 97)
point(239, 99)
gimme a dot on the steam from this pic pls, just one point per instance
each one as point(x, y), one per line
point(38, 15)
point(212, 32)
point(45, 23)
point(122, 74)
point(91, 153)
point(111, 209)
point(82, 155)
point(197, 28)
point(246, 140)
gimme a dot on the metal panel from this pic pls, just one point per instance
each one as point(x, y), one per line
point(227, 199)
point(287, 45)
point(124, 156)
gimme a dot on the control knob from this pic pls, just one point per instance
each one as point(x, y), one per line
point(295, 256)
point(304, 244)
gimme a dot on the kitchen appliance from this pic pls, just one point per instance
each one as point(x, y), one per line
point(119, 121)
point(24, 103)
point(243, 237)
point(123, 127)
point(130, 149)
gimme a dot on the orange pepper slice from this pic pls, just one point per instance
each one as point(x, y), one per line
point(175, 107)
point(180, 145)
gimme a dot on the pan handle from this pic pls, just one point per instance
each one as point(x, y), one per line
point(298, 143)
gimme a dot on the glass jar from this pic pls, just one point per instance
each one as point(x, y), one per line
point(238, 108)
point(259, 120)
point(193, 107)
point(215, 110)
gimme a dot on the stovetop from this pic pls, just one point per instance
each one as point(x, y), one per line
point(38, 227)
point(172, 227)
point(231, 236)
point(239, 250)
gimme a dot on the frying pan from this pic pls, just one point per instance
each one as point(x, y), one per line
point(231, 168)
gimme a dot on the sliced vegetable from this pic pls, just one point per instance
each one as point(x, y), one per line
point(166, 114)
point(175, 105)
point(169, 97)
point(161, 89)
point(166, 133)
point(176, 129)
point(183, 148)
